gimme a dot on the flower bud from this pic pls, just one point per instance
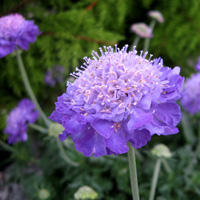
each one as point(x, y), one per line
point(142, 30)
point(85, 192)
point(156, 15)
point(43, 194)
point(161, 150)
point(55, 129)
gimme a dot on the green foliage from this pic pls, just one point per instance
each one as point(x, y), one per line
point(178, 38)
point(70, 31)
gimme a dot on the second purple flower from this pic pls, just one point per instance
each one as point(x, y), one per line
point(18, 120)
point(16, 32)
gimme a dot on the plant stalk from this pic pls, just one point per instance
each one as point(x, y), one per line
point(147, 40)
point(187, 129)
point(166, 166)
point(39, 128)
point(29, 89)
point(7, 147)
point(155, 179)
point(136, 41)
point(133, 172)
point(65, 157)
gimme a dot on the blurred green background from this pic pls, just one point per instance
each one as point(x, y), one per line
point(70, 31)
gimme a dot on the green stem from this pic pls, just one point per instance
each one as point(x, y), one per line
point(65, 157)
point(39, 128)
point(166, 166)
point(29, 89)
point(187, 129)
point(133, 172)
point(147, 40)
point(196, 153)
point(155, 179)
point(136, 41)
point(5, 146)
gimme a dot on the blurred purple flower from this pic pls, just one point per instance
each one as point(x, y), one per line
point(119, 97)
point(16, 32)
point(191, 94)
point(156, 15)
point(54, 75)
point(142, 30)
point(197, 67)
point(18, 119)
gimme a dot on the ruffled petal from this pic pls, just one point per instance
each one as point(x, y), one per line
point(145, 102)
point(88, 142)
point(100, 146)
point(169, 113)
point(139, 138)
point(56, 116)
point(138, 119)
point(117, 142)
point(5, 50)
point(64, 136)
point(103, 127)
point(166, 117)
point(73, 124)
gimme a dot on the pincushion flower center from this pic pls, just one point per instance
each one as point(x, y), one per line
point(116, 83)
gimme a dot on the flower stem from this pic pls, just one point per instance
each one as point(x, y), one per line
point(133, 172)
point(38, 128)
point(65, 157)
point(155, 179)
point(167, 167)
point(147, 40)
point(187, 129)
point(7, 147)
point(29, 89)
point(136, 41)
point(196, 153)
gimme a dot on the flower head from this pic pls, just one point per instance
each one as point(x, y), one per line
point(161, 150)
point(54, 75)
point(16, 32)
point(156, 15)
point(43, 194)
point(197, 67)
point(119, 97)
point(18, 119)
point(191, 94)
point(85, 192)
point(142, 30)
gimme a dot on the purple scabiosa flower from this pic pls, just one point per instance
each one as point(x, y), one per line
point(191, 94)
point(156, 15)
point(18, 119)
point(54, 75)
point(16, 32)
point(142, 30)
point(197, 67)
point(119, 97)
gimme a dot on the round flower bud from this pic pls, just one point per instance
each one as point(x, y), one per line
point(156, 15)
point(85, 192)
point(161, 150)
point(55, 129)
point(142, 30)
point(43, 194)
